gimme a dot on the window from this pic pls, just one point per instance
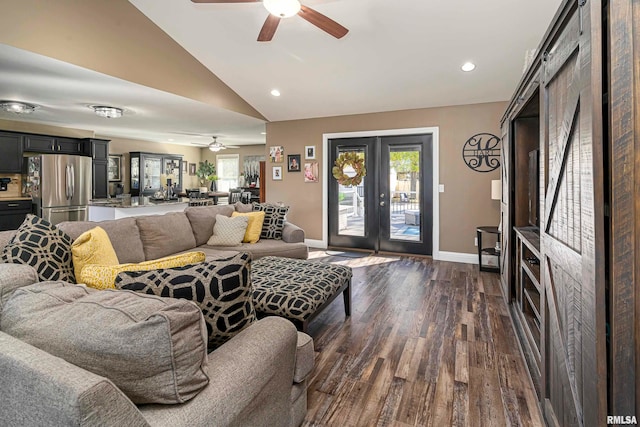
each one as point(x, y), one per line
point(228, 170)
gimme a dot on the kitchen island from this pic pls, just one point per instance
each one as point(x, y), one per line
point(106, 209)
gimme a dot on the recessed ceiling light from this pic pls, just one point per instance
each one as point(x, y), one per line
point(275, 92)
point(468, 66)
point(170, 139)
point(263, 133)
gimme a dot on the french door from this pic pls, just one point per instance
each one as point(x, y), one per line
point(391, 209)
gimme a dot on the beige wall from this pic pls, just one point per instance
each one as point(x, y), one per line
point(29, 127)
point(466, 202)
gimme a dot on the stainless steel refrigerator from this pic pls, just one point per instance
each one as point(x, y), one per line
point(59, 185)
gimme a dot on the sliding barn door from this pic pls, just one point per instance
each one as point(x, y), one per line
point(572, 238)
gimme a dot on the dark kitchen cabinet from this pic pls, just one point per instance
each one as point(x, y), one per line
point(146, 171)
point(98, 149)
point(10, 152)
point(52, 144)
point(13, 213)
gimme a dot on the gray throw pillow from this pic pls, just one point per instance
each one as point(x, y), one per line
point(228, 231)
point(222, 289)
point(274, 218)
point(43, 246)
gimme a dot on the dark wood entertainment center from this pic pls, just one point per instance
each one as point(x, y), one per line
point(570, 220)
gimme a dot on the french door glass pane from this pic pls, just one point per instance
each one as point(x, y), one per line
point(404, 186)
point(351, 207)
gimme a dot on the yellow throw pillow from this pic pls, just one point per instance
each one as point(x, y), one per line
point(104, 276)
point(92, 247)
point(252, 235)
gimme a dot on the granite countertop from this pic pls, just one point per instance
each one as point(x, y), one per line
point(135, 202)
point(14, 198)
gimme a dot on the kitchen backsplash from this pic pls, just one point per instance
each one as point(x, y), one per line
point(14, 188)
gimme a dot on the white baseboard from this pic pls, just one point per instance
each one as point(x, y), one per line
point(458, 257)
point(318, 244)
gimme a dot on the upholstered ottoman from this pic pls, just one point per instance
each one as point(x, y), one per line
point(298, 290)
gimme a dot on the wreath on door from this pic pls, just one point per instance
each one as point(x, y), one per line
point(357, 164)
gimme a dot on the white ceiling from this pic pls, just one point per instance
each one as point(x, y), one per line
point(398, 55)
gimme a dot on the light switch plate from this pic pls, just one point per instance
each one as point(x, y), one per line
point(441, 188)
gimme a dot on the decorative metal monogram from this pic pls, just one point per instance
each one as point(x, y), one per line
point(481, 152)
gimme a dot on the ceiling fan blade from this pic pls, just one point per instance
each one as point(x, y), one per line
point(225, 1)
point(324, 23)
point(269, 28)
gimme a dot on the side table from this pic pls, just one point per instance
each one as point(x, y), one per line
point(487, 251)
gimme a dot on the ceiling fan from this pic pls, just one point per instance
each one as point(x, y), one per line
point(216, 146)
point(284, 9)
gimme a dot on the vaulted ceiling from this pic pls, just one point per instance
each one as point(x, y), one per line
point(397, 55)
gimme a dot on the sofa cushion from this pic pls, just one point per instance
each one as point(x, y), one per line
point(228, 231)
point(123, 234)
point(92, 247)
point(254, 228)
point(274, 217)
point(243, 207)
point(153, 349)
point(43, 246)
point(5, 237)
point(203, 218)
point(104, 276)
point(14, 276)
point(221, 288)
point(166, 234)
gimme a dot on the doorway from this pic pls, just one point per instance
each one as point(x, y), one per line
point(391, 209)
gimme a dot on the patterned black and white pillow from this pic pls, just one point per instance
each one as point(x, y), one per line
point(222, 289)
point(43, 246)
point(274, 217)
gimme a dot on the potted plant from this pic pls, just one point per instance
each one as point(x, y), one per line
point(207, 172)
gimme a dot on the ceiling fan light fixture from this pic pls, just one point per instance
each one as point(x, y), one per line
point(107, 112)
point(17, 107)
point(215, 147)
point(282, 8)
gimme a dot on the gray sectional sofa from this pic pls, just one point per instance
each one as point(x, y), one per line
point(257, 378)
point(143, 238)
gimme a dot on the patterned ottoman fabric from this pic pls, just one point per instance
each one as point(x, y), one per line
point(293, 288)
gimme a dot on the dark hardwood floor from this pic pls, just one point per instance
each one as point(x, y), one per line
point(428, 343)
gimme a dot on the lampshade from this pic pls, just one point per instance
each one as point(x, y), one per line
point(496, 189)
point(17, 107)
point(107, 112)
point(282, 8)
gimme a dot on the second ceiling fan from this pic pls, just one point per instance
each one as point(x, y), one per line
point(279, 9)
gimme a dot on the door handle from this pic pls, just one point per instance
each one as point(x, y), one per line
point(73, 180)
point(67, 178)
point(13, 205)
point(382, 203)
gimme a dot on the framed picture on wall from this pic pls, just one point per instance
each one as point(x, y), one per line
point(276, 154)
point(311, 172)
point(309, 152)
point(114, 167)
point(277, 173)
point(293, 163)
point(184, 166)
point(192, 169)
